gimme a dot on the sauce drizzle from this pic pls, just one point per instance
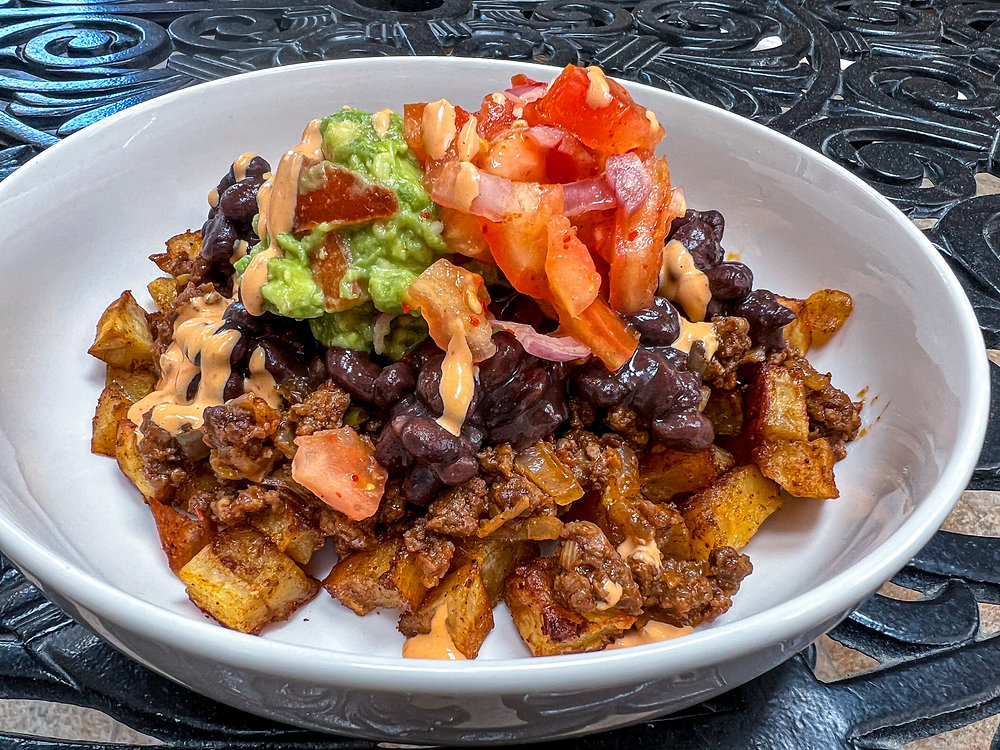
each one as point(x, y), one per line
point(598, 90)
point(683, 282)
point(438, 121)
point(651, 632)
point(436, 644)
point(458, 381)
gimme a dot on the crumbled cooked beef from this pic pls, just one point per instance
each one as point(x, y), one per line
point(348, 536)
point(581, 414)
point(238, 434)
point(232, 509)
point(683, 592)
point(515, 491)
point(592, 576)
point(456, 511)
point(431, 552)
point(497, 461)
point(626, 422)
point(734, 344)
point(392, 508)
point(162, 456)
point(323, 409)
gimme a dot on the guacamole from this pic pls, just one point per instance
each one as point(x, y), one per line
point(384, 256)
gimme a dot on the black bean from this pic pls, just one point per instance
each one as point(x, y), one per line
point(766, 317)
point(421, 485)
point(688, 431)
point(730, 280)
point(353, 371)
point(429, 442)
point(701, 233)
point(501, 366)
point(598, 386)
point(460, 470)
point(394, 382)
point(658, 325)
point(239, 202)
point(429, 384)
point(390, 452)
point(219, 239)
point(257, 167)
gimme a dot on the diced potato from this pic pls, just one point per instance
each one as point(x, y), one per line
point(123, 338)
point(797, 334)
point(470, 612)
point(730, 511)
point(135, 384)
point(803, 467)
point(131, 463)
point(540, 464)
point(826, 311)
point(291, 531)
point(163, 290)
point(778, 435)
point(112, 407)
point(181, 536)
point(180, 247)
point(666, 473)
point(725, 411)
point(547, 627)
point(244, 582)
point(496, 559)
point(384, 576)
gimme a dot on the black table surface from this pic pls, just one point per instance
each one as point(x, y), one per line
point(902, 93)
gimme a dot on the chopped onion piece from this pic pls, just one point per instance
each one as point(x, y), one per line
point(629, 179)
point(380, 330)
point(552, 348)
point(592, 194)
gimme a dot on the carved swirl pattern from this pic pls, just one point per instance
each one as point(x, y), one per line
point(902, 93)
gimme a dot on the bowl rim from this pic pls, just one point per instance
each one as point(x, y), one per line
point(703, 648)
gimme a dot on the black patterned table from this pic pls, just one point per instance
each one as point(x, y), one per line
point(903, 93)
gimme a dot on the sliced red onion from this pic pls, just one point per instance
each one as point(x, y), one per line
point(545, 136)
point(629, 180)
point(380, 331)
point(526, 92)
point(552, 348)
point(592, 194)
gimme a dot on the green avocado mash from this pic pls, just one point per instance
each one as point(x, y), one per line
point(384, 256)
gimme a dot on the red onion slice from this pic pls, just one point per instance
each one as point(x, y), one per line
point(380, 330)
point(629, 180)
point(552, 348)
point(526, 92)
point(592, 194)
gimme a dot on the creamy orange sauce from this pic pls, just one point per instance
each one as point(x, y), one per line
point(682, 282)
point(197, 339)
point(240, 248)
point(691, 332)
point(611, 592)
point(439, 128)
point(241, 164)
point(254, 277)
point(598, 90)
point(213, 197)
point(466, 186)
point(458, 380)
point(436, 644)
point(260, 383)
point(380, 121)
point(468, 140)
point(653, 122)
point(641, 550)
point(651, 632)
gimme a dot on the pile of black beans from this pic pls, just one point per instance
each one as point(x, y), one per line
point(229, 222)
point(518, 399)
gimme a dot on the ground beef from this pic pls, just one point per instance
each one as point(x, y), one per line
point(497, 461)
point(598, 462)
point(238, 434)
point(232, 509)
point(457, 510)
point(508, 493)
point(834, 416)
point(393, 506)
point(431, 552)
point(348, 536)
point(162, 456)
point(323, 409)
point(734, 344)
point(592, 576)
point(626, 422)
point(682, 592)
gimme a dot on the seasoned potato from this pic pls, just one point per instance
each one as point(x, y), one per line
point(818, 318)
point(778, 435)
point(131, 463)
point(290, 530)
point(469, 616)
point(181, 536)
point(180, 248)
point(244, 582)
point(496, 559)
point(123, 388)
point(384, 576)
point(135, 384)
point(540, 464)
point(163, 290)
point(730, 511)
point(546, 626)
point(123, 338)
point(666, 473)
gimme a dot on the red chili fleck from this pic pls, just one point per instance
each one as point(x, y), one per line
point(632, 235)
point(473, 320)
point(425, 214)
point(355, 477)
point(406, 307)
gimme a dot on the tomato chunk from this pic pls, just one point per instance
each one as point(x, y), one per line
point(600, 328)
point(422, 143)
point(328, 269)
point(598, 111)
point(340, 469)
point(573, 279)
point(341, 197)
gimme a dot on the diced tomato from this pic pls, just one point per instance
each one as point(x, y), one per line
point(444, 293)
point(517, 157)
point(464, 235)
point(341, 197)
point(596, 229)
point(573, 280)
point(638, 249)
point(340, 469)
point(520, 79)
point(413, 132)
point(596, 110)
point(600, 328)
point(495, 115)
point(328, 268)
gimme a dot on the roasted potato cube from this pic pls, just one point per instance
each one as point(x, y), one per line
point(469, 616)
point(291, 531)
point(163, 290)
point(384, 576)
point(730, 511)
point(180, 249)
point(123, 338)
point(825, 313)
point(135, 384)
point(666, 473)
point(725, 411)
point(181, 536)
point(540, 464)
point(803, 467)
point(112, 407)
point(776, 405)
point(496, 559)
point(244, 582)
point(549, 628)
point(797, 334)
point(131, 463)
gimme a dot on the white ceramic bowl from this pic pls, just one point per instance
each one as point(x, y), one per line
point(79, 221)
